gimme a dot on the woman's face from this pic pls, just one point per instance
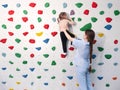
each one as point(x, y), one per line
point(85, 36)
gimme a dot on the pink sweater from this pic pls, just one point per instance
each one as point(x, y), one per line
point(63, 24)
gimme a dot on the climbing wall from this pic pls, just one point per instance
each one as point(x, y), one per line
point(30, 45)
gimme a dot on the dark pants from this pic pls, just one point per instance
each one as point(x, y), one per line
point(64, 40)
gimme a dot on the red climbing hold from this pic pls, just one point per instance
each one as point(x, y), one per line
point(32, 55)
point(3, 40)
point(115, 41)
point(86, 12)
point(10, 33)
point(71, 48)
point(32, 41)
point(25, 33)
point(25, 19)
point(32, 4)
point(108, 19)
point(94, 5)
point(32, 26)
point(63, 55)
point(11, 47)
point(11, 12)
point(53, 33)
point(10, 19)
point(46, 26)
point(40, 11)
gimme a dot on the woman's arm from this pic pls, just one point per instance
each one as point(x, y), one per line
point(68, 36)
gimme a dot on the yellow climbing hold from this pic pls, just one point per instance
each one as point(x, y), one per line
point(100, 34)
point(18, 83)
point(11, 89)
point(77, 84)
point(39, 33)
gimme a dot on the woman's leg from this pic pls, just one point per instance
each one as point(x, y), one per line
point(64, 42)
point(81, 76)
point(89, 84)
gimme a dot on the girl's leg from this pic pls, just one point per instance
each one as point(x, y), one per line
point(64, 42)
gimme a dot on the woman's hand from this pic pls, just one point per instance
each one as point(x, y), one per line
point(90, 68)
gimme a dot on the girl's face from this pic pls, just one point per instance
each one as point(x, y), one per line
point(65, 16)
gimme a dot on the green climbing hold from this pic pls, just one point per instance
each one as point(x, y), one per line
point(107, 85)
point(71, 63)
point(116, 12)
point(47, 4)
point(39, 19)
point(79, 19)
point(53, 77)
point(17, 69)
point(93, 71)
point(100, 49)
point(93, 19)
point(73, 18)
point(64, 70)
point(25, 12)
point(46, 55)
point(86, 27)
point(53, 48)
point(25, 48)
point(38, 77)
point(18, 26)
point(53, 63)
point(101, 12)
point(18, 55)
point(53, 11)
point(24, 62)
point(4, 26)
point(17, 40)
point(11, 76)
point(11, 62)
point(79, 5)
point(108, 56)
point(39, 63)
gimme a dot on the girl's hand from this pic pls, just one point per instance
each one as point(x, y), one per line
point(58, 19)
point(70, 19)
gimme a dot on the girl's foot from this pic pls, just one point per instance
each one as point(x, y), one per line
point(63, 55)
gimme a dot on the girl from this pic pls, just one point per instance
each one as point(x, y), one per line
point(64, 23)
point(83, 58)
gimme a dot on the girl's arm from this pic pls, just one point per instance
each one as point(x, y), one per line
point(58, 20)
point(68, 36)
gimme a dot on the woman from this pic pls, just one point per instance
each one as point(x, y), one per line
point(64, 23)
point(83, 58)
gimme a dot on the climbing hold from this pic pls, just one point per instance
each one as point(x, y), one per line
point(86, 27)
point(79, 5)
